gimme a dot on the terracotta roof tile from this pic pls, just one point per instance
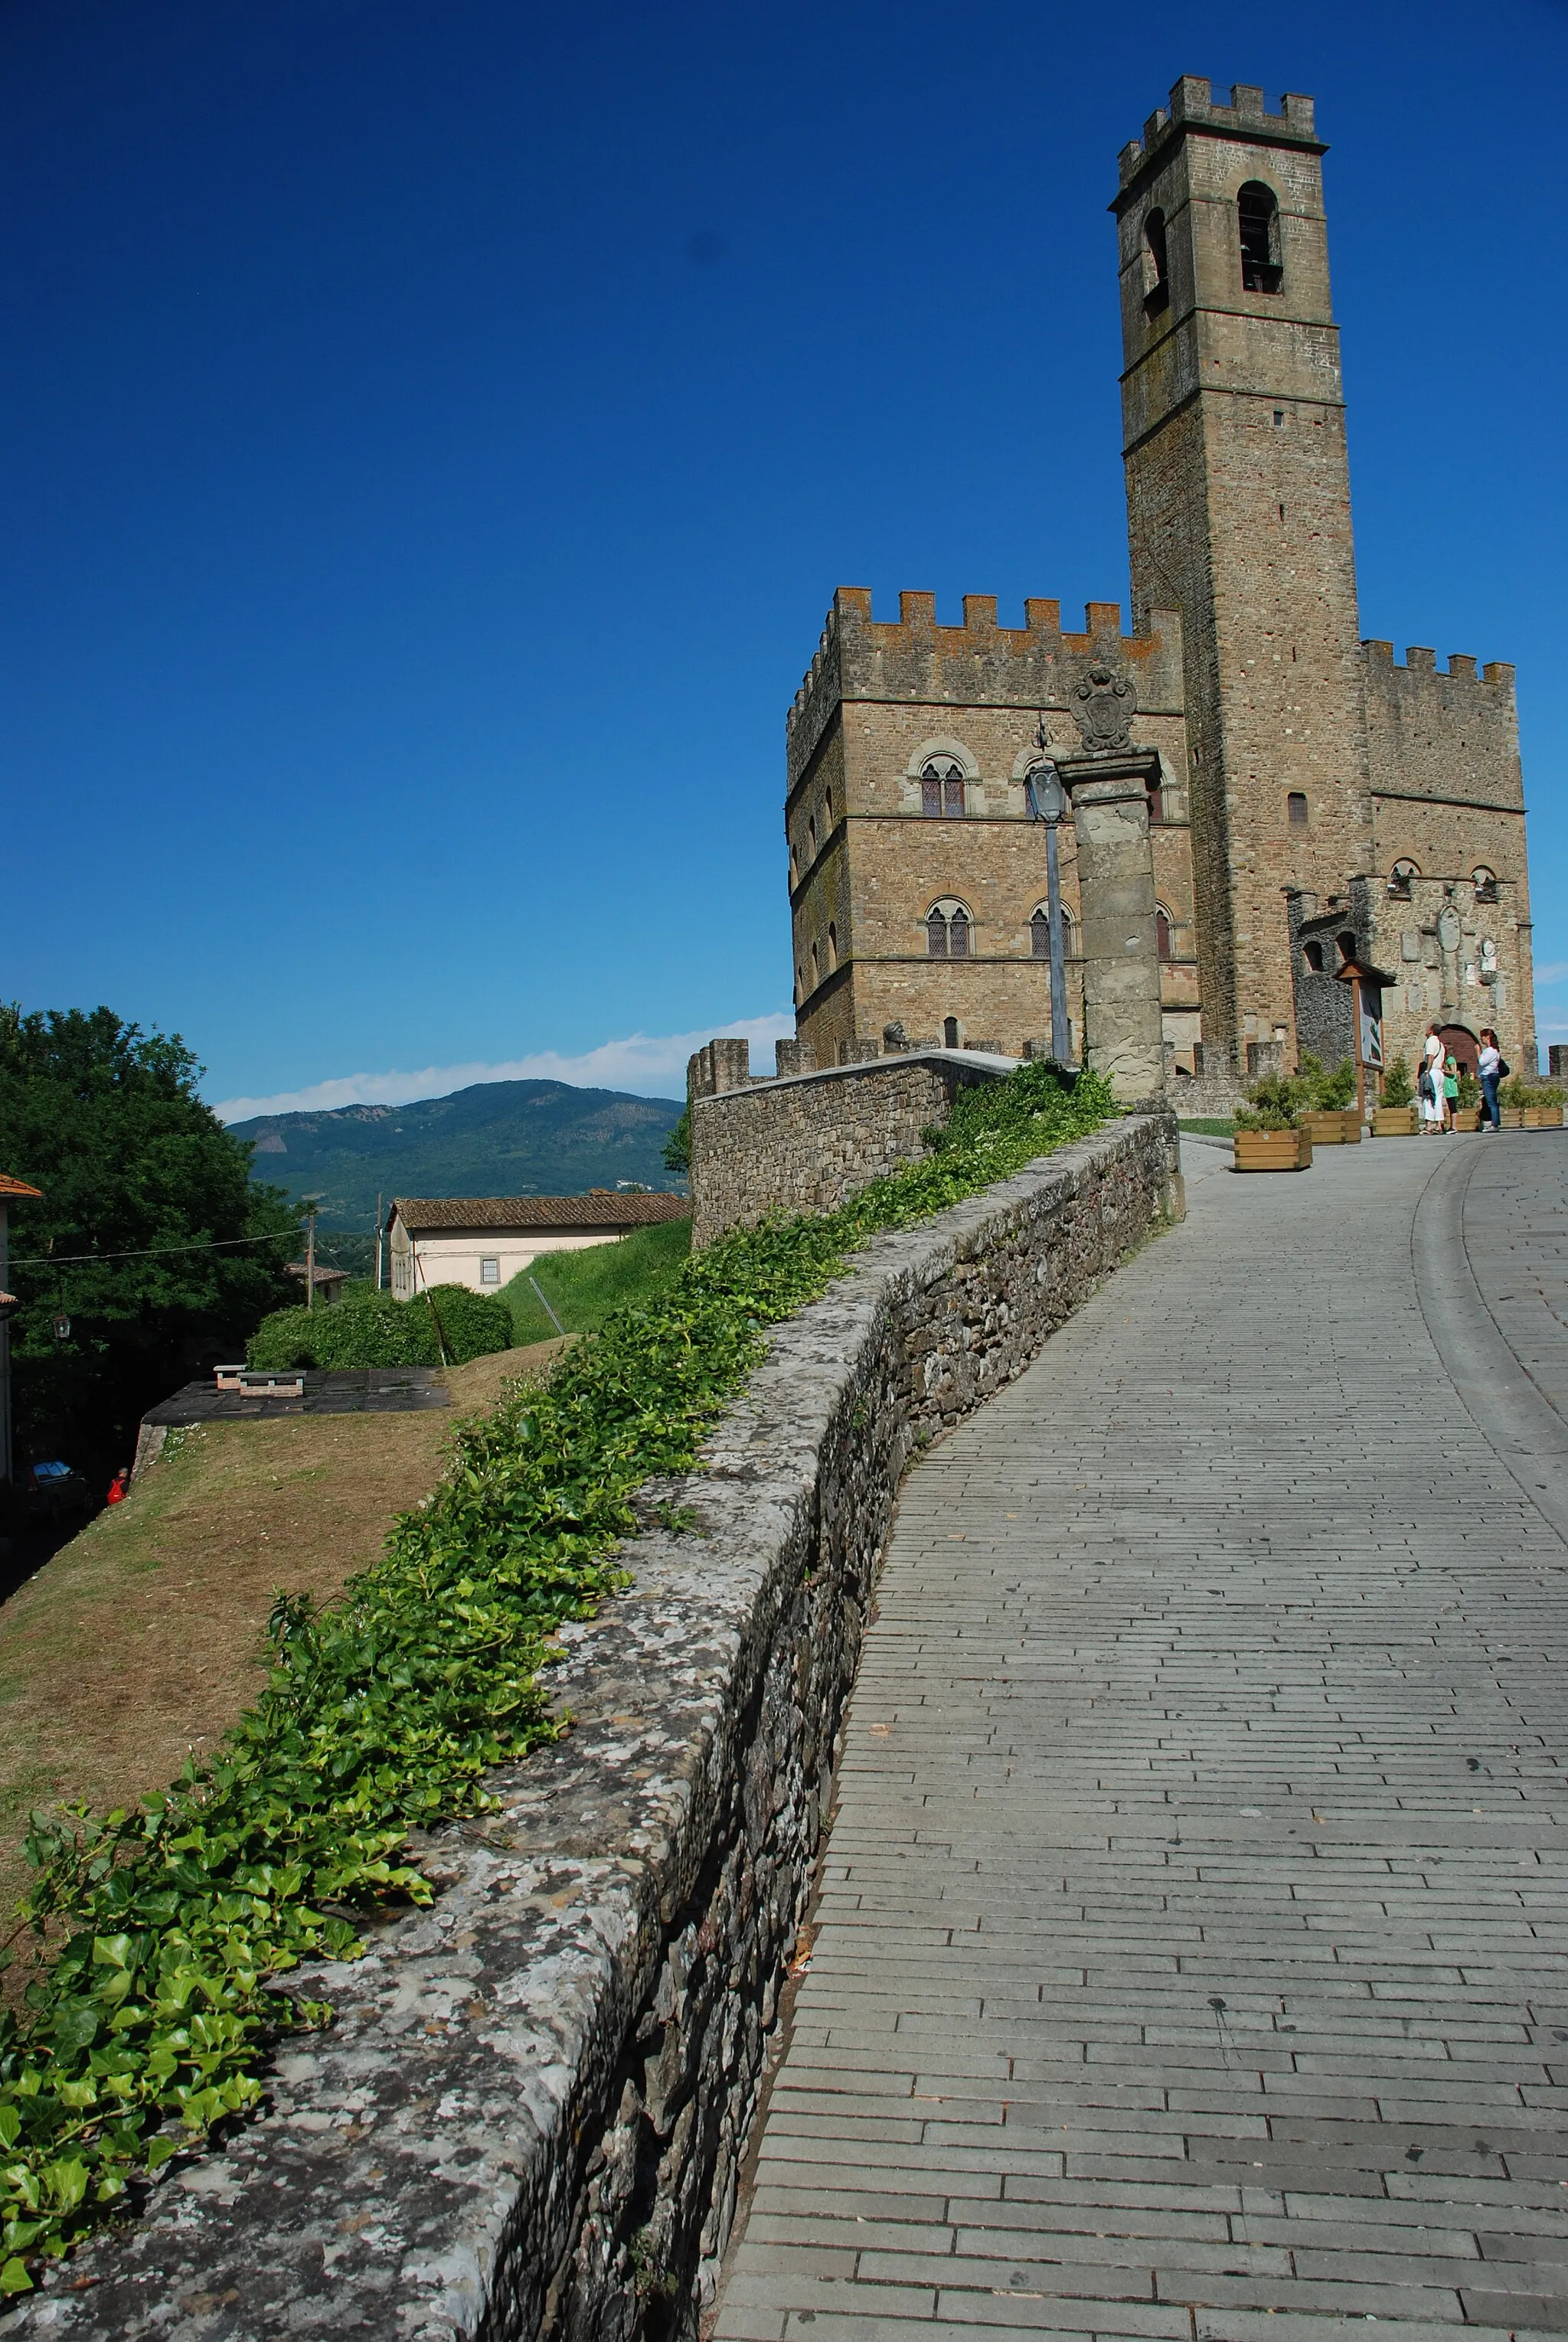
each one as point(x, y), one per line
point(423, 1213)
point(9, 1187)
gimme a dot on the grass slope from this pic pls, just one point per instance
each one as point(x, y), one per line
point(144, 1638)
point(495, 1138)
point(582, 1287)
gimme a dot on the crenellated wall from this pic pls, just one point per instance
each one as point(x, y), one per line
point(528, 2120)
point(867, 861)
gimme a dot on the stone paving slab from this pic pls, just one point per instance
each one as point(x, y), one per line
point(1192, 1931)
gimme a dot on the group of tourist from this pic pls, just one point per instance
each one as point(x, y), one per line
point(1437, 1088)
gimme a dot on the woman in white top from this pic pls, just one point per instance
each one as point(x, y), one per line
point(1434, 1113)
point(1489, 1069)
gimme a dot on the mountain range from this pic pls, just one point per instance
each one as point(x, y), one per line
point(497, 1139)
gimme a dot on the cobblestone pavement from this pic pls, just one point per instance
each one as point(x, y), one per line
point(1192, 1933)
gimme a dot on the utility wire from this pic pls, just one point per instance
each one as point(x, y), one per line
point(151, 1252)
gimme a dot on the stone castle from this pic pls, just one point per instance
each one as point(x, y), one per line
point(1304, 805)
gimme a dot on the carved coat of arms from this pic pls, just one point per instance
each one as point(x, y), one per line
point(1103, 706)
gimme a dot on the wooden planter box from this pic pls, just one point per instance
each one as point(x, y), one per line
point(1393, 1122)
point(1511, 1118)
point(1272, 1150)
point(1543, 1117)
point(1467, 1117)
point(1332, 1125)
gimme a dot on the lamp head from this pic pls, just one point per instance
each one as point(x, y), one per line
point(1047, 797)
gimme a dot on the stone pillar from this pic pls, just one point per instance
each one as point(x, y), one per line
point(1122, 1031)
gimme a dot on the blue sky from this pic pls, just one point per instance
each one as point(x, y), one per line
point(432, 437)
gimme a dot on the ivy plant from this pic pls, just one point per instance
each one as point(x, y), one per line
point(166, 1931)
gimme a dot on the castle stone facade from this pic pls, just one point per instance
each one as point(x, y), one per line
point(1299, 781)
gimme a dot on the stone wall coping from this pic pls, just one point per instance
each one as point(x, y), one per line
point(451, 2158)
point(985, 1060)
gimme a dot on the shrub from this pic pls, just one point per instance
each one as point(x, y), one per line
point(1273, 1103)
point(1522, 1090)
point(1326, 1093)
point(1469, 1088)
point(448, 1326)
point(1397, 1086)
point(147, 2025)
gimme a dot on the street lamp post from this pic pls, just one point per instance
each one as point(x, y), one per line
point(1048, 803)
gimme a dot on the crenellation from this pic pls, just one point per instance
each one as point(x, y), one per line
point(1192, 108)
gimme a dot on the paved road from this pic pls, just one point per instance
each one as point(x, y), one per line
point(1191, 1953)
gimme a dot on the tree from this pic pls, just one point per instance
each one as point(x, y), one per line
point(105, 1121)
point(678, 1146)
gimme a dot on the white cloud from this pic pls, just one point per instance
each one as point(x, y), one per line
point(648, 1065)
point(1554, 972)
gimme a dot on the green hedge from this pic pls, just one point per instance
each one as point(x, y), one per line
point(381, 1712)
point(447, 1327)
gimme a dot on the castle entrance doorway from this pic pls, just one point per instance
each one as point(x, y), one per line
point(1461, 1044)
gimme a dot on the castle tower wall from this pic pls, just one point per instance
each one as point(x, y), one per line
point(869, 860)
point(1238, 502)
point(1448, 801)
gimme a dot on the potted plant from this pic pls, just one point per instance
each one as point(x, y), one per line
point(1393, 1116)
point(1328, 1113)
point(1527, 1104)
point(1268, 1137)
point(1467, 1107)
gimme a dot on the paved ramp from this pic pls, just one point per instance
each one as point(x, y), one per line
point(1191, 1959)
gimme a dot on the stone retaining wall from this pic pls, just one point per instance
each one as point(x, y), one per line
point(805, 1143)
point(529, 2116)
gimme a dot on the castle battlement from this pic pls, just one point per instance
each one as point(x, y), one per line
point(916, 629)
point(1192, 107)
point(1420, 661)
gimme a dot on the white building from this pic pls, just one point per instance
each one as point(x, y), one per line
point(483, 1241)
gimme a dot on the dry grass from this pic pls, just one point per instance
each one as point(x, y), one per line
point(141, 1638)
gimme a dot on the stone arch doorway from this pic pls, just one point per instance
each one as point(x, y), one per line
point(1461, 1046)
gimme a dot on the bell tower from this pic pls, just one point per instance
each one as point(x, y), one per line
point(1238, 516)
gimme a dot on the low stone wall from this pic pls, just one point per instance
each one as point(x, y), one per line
point(529, 2116)
point(805, 1143)
point(1197, 1096)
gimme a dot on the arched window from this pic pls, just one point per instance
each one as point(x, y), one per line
point(1157, 806)
point(1345, 939)
point(950, 1033)
point(1313, 954)
point(1258, 215)
point(815, 967)
point(942, 788)
point(831, 946)
point(1295, 809)
point(811, 839)
point(948, 930)
point(1163, 932)
point(1485, 886)
point(827, 812)
point(1040, 931)
point(1399, 879)
point(1156, 286)
point(793, 866)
